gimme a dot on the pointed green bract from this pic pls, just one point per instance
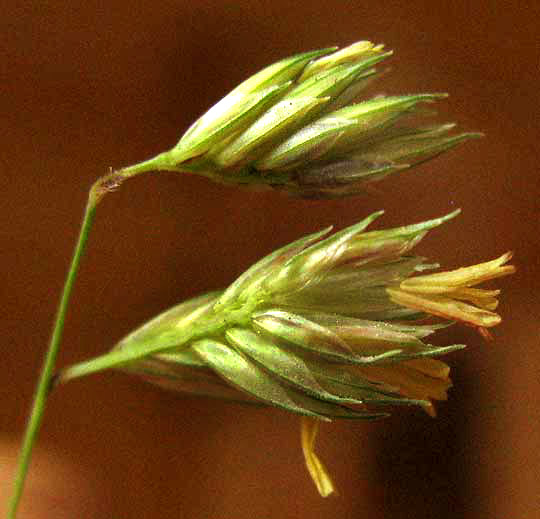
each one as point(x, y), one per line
point(352, 278)
point(247, 107)
point(375, 117)
point(407, 231)
point(334, 81)
point(291, 368)
point(173, 327)
point(316, 137)
point(312, 337)
point(245, 374)
point(414, 148)
point(238, 370)
point(310, 263)
point(244, 102)
point(351, 122)
point(342, 175)
point(279, 121)
point(358, 51)
point(368, 396)
point(248, 284)
point(166, 372)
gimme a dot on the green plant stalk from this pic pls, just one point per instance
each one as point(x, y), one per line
point(47, 372)
point(97, 191)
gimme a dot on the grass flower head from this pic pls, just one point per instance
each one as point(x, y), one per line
point(332, 326)
point(297, 125)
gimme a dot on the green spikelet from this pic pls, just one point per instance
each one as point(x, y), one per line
point(325, 327)
point(295, 126)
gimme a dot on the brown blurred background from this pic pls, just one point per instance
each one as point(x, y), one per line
point(89, 85)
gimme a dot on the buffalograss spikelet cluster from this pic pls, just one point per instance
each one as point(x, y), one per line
point(298, 126)
point(332, 326)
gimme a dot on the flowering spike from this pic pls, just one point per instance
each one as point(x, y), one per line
point(317, 328)
point(291, 126)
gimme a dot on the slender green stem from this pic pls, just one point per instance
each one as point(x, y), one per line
point(47, 372)
point(102, 186)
